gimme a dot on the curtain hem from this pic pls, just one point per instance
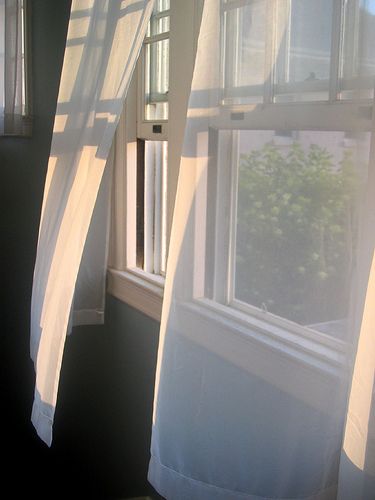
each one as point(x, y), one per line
point(172, 484)
point(42, 422)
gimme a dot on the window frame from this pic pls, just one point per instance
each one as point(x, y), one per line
point(126, 281)
point(23, 122)
point(296, 342)
point(270, 89)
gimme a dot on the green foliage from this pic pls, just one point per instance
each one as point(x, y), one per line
point(296, 228)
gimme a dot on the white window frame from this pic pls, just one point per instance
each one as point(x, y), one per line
point(22, 126)
point(248, 327)
point(333, 86)
point(132, 285)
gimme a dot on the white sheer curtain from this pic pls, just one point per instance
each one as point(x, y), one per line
point(103, 43)
point(269, 260)
point(12, 71)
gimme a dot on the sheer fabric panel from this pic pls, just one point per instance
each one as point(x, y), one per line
point(263, 296)
point(103, 43)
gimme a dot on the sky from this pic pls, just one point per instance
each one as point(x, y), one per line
point(369, 5)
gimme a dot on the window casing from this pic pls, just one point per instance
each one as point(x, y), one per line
point(15, 68)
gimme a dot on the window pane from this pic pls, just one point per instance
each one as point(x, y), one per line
point(244, 48)
point(297, 208)
point(303, 50)
point(161, 5)
point(358, 55)
point(157, 80)
point(152, 206)
point(158, 24)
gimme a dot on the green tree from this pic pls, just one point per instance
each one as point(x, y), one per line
point(296, 231)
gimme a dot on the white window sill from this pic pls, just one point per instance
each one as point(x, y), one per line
point(306, 366)
point(307, 369)
point(140, 290)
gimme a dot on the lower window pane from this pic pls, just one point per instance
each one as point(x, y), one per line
point(297, 223)
point(152, 206)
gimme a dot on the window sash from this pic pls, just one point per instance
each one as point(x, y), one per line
point(221, 265)
point(272, 90)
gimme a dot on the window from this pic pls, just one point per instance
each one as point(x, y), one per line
point(291, 148)
point(152, 138)
point(327, 59)
point(148, 150)
point(152, 175)
point(14, 68)
point(156, 63)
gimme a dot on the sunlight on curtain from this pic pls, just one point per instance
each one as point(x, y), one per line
point(103, 43)
point(269, 255)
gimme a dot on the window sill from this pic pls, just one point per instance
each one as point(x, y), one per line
point(308, 370)
point(139, 289)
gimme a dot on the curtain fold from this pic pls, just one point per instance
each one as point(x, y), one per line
point(103, 42)
point(261, 313)
point(357, 465)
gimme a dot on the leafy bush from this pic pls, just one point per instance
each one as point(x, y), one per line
point(296, 232)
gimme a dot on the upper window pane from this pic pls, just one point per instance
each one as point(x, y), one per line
point(303, 50)
point(161, 5)
point(156, 63)
point(244, 48)
point(358, 54)
point(297, 223)
point(157, 80)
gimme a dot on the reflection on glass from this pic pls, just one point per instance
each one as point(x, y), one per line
point(244, 48)
point(157, 80)
point(296, 239)
point(302, 66)
point(357, 51)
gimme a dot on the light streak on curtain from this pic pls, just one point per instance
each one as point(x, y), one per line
point(258, 335)
point(103, 43)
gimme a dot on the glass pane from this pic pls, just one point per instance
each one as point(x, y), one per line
point(157, 80)
point(303, 50)
point(244, 48)
point(155, 206)
point(357, 51)
point(297, 223)
point(158, 24)
point(161, 5)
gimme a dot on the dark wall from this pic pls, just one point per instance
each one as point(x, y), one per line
point(103, 417)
